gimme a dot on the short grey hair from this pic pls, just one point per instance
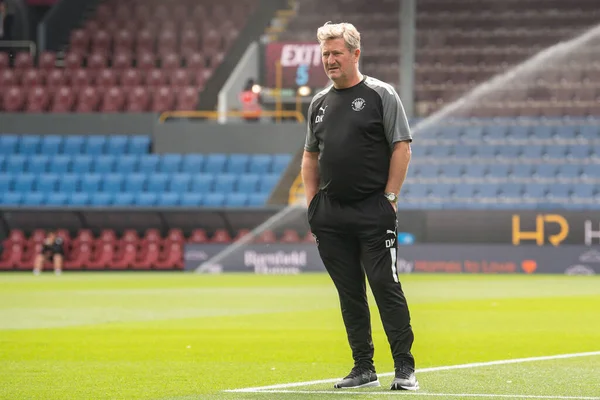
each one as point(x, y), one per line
point(342, 30)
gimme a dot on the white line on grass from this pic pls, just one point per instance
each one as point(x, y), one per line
point(422, 370)
point(407, 393)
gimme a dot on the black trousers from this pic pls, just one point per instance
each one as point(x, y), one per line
point(354, 239)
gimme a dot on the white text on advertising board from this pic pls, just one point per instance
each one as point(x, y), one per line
point(294, 55)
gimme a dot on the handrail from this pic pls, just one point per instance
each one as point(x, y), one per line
point(214, 115)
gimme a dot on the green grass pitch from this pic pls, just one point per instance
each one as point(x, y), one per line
point(185, 336)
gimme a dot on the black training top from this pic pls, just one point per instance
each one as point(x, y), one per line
point(56, 246)
point(354, 131)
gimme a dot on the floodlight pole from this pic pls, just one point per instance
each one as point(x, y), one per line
point(407, 20)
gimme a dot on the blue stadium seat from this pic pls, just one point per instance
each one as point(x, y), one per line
point(596, 151)
point(191, 199)
point(170, 163)
point(139, 144)
point(2, 158)
point(59, 164)
point(463, 151)
point(569, 171)
point(257, 199)
point(117, 145)
point(440, 190)
point(15, 164)
point(215, 163)
point(51, 144)
point(33, 199)
point(578, 151)
point(122, 199)
point(106, 199)
point(29, 144)
point(451, 171)
point(134, 183)
point(545, 171)
point(268, 182)
point(24, 183)
point(103, 164)
point(582, 191)
point(95, 145)
point(475, 171)
point(192, 163)
point(81, 164)
point(46, 183)
point(591, 171)
point(8, 144)
point(127, 164)
point(464, 191)
point(236, 200)
point(450, 133)
point(535, 190)
point(56, 199)
point(565, 132)
point(225, 183)
point(498, 171)
point(202, 183)
point(532, 152)
point(78, 199)
point(180, 183)
point(73, 144)
point(428, 171)
point(521, 171)
point(5, 182)
point(112, 183)
point(555, 152)
point(495, 132)
point(486, 190)
point(509, 152)
point(419, 151)
point(589, 132)
point(472, 133)
point(213, 200)
point(518, 132)
point(168, 199)
point(281, 161)
point(37, 164)
point(90, 183)
point(440, 151)
point(12, 198)
point(148, 163)
point(542, 132)
point(68, 183)
point(145, 199)
point(416, 190)
point(486, 152)
point(237, 163)
point(559, 191)
point(248, 183)
point(260, 163)
point(511, 190)
point(157, 183)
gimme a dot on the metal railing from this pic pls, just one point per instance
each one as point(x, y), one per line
point(19, 44)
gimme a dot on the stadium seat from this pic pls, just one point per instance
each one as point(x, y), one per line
point(213, 199)
point(104, 199)
point(257, 199)
point(56, 199)
point(5, 182)
point(8, 144)
point(68, 183)
point(555, 152)
point(535, 190)
point(180, 183)
point(59, 164)
point(37, 164)
point(452, 171)
point(415, 190)
point(498, 171)
point(171, 257)
point(247, 183)
point(521, 171)
point(73, 144)
point(236, 200)
point(170, 163)
point(15, 164)
point(46, 183)
point(33, 199)
point(145, 199)
point(578, 152)
point(202, 183)
point(127, 163)
point(191, 199)
point(157, 183)
point(225, 183)
point(268, 183)
point(134, 183)
point(427, 171)
point(139, 144)
point(532, 152)
point(148, 163)
point(51, 144)
point(545, 171)
point(81, 164)
point(237, 163)
point(90, 183)
point(95, 145)
point(215, 163)
point(78, 199)
point(103, 164)
point(122, 199)
point(12, 198)
point(220, 236)
point(463, 191)
point(260, 164)
point(112, 183)
point(117, 145)
point(168, 199)
point(289, 236)
point(192, 163)
point(569, 171)
point(486, 152)
point(280, 162)
point(29, 144)
point(24, 183)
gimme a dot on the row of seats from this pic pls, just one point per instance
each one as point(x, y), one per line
point(577, 152)
point(74, 144)
point(215, 163)
point(503, 171)
point(138, 182)
point(478, 129)
point(129, 199)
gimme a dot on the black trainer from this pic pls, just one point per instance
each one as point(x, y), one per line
point(359, 377)
point(405, 378)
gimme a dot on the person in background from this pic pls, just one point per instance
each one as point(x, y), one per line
point(53, 251)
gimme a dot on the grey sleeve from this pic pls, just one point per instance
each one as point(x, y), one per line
point(395, 122)
point(311, 144)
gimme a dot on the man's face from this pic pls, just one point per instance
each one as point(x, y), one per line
point(51, 236)
point(338, 61)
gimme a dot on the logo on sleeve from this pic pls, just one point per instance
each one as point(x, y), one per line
point(358, 104)
point(319, 118)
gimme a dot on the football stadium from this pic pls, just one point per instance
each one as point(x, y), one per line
point(188, 187)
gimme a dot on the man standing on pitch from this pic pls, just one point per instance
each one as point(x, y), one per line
point(356, 157)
